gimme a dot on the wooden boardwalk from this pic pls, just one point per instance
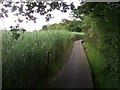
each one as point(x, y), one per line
point(76, 73)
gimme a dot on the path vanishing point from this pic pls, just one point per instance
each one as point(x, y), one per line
point(76, 72)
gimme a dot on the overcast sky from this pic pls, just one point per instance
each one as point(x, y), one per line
point(30, 26)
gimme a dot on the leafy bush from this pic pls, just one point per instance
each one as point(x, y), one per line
point(104, 37)
point(73, 26)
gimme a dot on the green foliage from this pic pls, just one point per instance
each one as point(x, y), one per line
point(56, 26)
point(98, 65)
point(77, 36)
point(44, 27)
point(100, 25)
point(73, 26)
point(15, 31)
point(34, 58)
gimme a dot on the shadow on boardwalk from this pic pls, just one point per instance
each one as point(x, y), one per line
point(76, 73)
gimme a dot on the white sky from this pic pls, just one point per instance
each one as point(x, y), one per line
point(30, 26)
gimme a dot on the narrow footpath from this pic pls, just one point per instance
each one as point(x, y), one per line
point(76, 72)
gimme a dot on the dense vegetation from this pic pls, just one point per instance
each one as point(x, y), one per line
point(70, 25)
point(100, 23)
point(34, 58)
point(101, 27)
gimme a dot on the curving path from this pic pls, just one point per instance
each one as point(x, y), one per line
point(76, 73)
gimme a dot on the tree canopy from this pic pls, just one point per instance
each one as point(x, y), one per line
point(27, 9)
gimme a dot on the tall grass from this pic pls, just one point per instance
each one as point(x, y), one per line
point(34, 58)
